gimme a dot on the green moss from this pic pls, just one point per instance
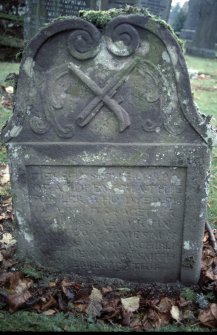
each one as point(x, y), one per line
point(101, 17)
point(3, 154)
point(32, 273)
point(188, 294)
point(5, 190)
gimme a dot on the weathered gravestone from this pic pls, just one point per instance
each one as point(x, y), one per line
point(40, 12)
point(157, 7)
point(109, 158)
point(190, 25)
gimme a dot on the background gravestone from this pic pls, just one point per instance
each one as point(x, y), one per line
point(157, 7)
point(40, 12)
point(109, 157)
point(192, 20)
point(205, 37)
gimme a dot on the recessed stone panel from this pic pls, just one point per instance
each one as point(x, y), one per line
point(111, 214)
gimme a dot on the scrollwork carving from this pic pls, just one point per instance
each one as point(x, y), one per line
point(83, 42)
point(122, 39)
point(38, 125)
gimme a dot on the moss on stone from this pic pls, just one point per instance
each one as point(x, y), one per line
point(100, 18)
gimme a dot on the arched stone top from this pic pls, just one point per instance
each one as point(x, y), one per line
point(129, 81)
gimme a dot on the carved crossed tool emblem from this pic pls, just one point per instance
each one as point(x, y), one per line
point(104, 95)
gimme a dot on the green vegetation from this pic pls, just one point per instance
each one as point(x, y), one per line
point(5, 114)
point(204, 89)
point(188, 294)
point(5, 69)
point(181, 328)
point(101, 17)
point(28, 321)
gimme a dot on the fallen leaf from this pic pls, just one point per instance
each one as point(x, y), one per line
point(9, 89)
point(106, 290)
point(95, 306)
point(23, 284)
point(175, 313)
point(164, 305)
point(208, 317)
point(17, 301)
point(80, 308)
point(123, 289)
point(49, 312)
point(1, 257)
point(4, 175)
point(69, 293)
point(51, 302)
point(8, 239)
point(130, 304)
point(52, 284)
point(15, 281)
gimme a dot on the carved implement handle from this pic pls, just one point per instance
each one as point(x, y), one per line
point(89, 112)
point(121, 114)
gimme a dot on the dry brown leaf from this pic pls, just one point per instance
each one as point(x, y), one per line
point(95, 305)
point(206, 236)
point(80, 308)
point(130, 304)
point(208, 317)
point(164, 305)
point(175, 313)
point(9, 279)
point(106, 290)
point(23, 284)
point(15, 281)
point(1, 257)
point(51, 302)
point(127, 317)
point(151, 320)
point(49, 312)
point(210, 274)
point(66, 283)
point(7, 201)
point(17, 301)
point(52, 284)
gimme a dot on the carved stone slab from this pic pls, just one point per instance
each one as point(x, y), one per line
point(109, 157)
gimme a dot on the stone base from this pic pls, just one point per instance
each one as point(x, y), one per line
point(200, 52)
point(187, 34)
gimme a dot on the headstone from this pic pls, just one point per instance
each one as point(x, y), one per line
point(192, 20)
point(41, 12)
point(203, 44)
point(109, 157)
point(157, 7)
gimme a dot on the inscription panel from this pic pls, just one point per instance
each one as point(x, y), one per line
point(40, 12)
point(123, 222)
